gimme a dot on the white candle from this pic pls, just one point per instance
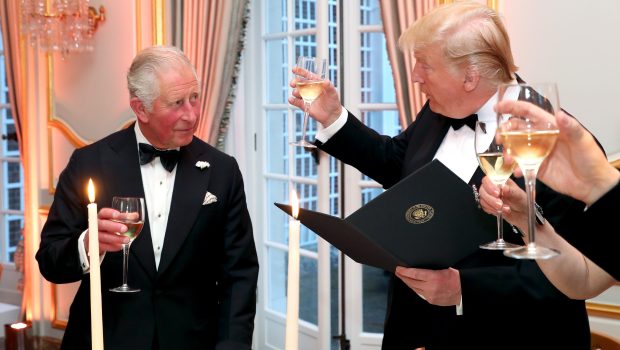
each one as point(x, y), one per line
point(291, 342)
point(96, 318)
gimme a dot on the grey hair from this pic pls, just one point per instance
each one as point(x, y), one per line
point(142, 77)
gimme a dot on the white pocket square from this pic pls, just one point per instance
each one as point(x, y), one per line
point(209, 198)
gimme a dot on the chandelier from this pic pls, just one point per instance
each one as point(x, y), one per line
point(64, 26)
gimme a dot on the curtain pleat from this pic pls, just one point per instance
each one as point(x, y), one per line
point(397, 16)
point(213, 40)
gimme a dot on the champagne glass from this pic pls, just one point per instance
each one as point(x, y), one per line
point(131, 211)
point(310, 87)
point(491, 159)
point(528, 140)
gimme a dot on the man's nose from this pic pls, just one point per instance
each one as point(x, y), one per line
point(415, 74)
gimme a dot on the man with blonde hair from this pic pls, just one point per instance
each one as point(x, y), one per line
point(486, 301)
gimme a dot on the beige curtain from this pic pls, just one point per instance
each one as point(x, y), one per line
point(14, 61)
point(397, 16)
point(213, 32)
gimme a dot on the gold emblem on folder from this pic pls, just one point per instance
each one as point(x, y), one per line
point(419, 214)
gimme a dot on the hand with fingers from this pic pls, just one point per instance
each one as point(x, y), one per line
point(326, 108)
point(438, 287)
point(109, 239)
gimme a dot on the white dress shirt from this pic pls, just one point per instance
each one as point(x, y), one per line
point(158, 185)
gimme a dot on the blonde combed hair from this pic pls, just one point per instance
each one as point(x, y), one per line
point(469, 35)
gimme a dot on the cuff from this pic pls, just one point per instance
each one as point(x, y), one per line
point(326, 133)
point(84, 261)
point(459, 307)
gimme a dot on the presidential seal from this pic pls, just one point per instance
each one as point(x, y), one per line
point(419, 214)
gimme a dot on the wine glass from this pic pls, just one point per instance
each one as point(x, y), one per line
point(529, 139)
point(310, 86)
point(131, 211)
point(491, 159)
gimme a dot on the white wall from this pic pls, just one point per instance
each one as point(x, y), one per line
point(575, 43)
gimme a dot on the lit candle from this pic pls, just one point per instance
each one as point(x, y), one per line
point(96, 318)
point(291, 342)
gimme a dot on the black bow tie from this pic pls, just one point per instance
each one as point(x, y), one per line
point(469, 121)
point(169, 158)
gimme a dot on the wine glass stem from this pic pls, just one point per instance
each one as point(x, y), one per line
point(530, 189)
point(306, 116)
point(125, 263)
point(500, 217)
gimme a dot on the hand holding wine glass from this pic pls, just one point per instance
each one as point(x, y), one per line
point(529, 138)
point(312, 72)
point(491, 159)
point(131, 214)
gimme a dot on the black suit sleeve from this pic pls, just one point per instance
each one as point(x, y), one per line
point(58, 255)
point(239, 273)
point(593, 232)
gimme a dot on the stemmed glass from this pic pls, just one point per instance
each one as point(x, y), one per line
point(491, 159)
point(131, 211)
point(310, 86)
point(529, 139)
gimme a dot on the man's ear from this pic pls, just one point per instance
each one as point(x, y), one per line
point(139, 109)
point(472, 78)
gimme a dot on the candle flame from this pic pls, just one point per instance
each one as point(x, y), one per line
point(295, 204)
point(91, 191)
point(19, 325)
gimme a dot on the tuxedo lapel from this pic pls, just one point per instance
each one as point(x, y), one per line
point(190, 187)
point(124, 178)
point(426, 139)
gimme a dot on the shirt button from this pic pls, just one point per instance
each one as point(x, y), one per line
point(158, 215)
point(161, 182)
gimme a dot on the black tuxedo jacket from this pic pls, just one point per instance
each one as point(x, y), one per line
point(202, 296)
point(507, 303)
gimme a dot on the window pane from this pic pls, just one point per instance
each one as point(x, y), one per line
point(277, 71)
point(277, 264)
point(305, 164)
point(375, 285)
point(277, 142)
point(370, 12)
point(377, 83)
point(308, 292)
point(15, 231)
point(276, 16)
point(14, 172)
point(374, 299)
point(383, 122)
point(15, 198)
point(334, 187)
point(305, 46)
point(305, 14)
point(308, 200)
point(277, 220)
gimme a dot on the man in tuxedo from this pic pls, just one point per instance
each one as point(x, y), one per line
point(195, 259)
point(486, 301)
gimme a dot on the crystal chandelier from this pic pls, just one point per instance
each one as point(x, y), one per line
point(64, 26)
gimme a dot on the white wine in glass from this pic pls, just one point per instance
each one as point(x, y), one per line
point(131, 214)
point(529, 139)
point(310, 86)
point(491, 159)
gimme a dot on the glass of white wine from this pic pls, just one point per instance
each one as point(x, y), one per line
point(491, 159)
point(528, 140)
point(310, 86)
point(131, 211)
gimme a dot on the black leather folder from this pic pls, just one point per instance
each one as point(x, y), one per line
point(430, 219)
